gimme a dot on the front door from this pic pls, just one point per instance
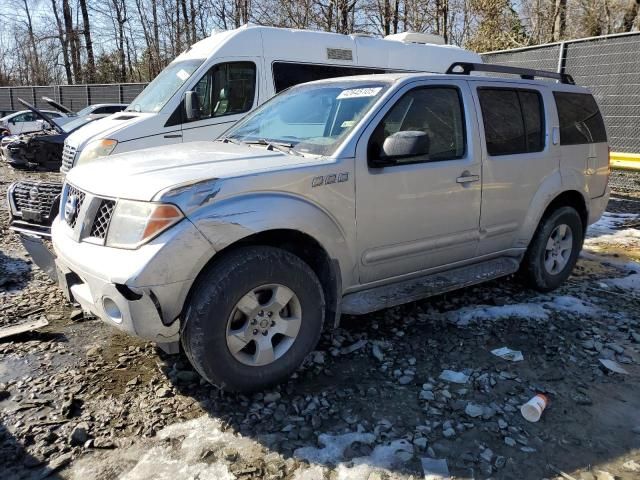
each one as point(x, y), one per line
point(423, 211)
point(226, 93)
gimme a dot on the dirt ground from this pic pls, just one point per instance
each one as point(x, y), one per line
point(78, 400)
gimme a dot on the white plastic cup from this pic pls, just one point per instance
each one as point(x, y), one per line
point(532, 410)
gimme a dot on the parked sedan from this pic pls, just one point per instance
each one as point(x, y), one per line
point(26, 121)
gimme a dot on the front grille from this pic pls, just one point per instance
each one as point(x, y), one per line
point(73, 217)
point(37, 197)
point(103, 218)
point(68, 155)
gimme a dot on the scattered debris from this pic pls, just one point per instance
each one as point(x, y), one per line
point(507, 354)
point(613, 366)
point(564, 475)
point(532, 410)
point(435, 469)
point(11, 330)
point(354, 347)
point(454, 377)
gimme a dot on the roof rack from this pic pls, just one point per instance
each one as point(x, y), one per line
point(464, 68)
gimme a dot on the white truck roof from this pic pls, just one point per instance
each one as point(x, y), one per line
point(405, 51)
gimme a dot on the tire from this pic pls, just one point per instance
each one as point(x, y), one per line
point(218, 307)
point(540, 269)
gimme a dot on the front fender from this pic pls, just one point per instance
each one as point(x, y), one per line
point(229, 220)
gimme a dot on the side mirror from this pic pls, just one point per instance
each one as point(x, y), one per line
point(401, 145)
point(192, 106)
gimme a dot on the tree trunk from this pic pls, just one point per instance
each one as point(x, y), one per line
point(194, 36)
point(36, 70)
point(91, 63)
point(72, 40)
point(185, 16)
point(559, 20)
point(64, 43)
point(156, 39)
point(630, 15)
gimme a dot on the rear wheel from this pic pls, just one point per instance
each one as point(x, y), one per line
point(554, 249)
point(252, 318)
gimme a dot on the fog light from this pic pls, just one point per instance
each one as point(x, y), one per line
point(112, 310)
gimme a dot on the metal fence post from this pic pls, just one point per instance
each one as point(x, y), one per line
point(562, 56)
point(88, 96)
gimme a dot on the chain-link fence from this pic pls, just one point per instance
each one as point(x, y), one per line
point(74, 97)
point(609, 66)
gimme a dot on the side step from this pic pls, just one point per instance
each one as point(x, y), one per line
point(387, 296)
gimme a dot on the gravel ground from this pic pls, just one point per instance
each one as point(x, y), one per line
point(78, 400)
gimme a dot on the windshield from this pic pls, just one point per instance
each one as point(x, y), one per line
point(75, 124)
point(158, 92)
point(310, 119)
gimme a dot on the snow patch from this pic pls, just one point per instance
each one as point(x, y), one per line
point(537, 311)
point(610, 223)
point(383, 457)
point(566, 303)
point(333, 447)
point(466, 315)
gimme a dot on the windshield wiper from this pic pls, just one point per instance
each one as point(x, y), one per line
point(280, 146)
point(228, 140)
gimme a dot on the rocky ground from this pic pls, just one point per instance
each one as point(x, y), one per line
point(80, 401)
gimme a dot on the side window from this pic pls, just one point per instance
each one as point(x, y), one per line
point(436, 112)
point(580, 119)
point(20, 118)
point(513, 120)
point(287, 75)
point(227, 89)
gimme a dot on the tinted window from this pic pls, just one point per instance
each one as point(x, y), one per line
point(435, 111)
point(227, 89)
point(513, 120)
point(580, 119)
point(287, 75)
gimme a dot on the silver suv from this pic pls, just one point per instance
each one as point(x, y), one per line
point(339, 196)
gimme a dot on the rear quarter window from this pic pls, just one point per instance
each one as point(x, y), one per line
point(580, 119)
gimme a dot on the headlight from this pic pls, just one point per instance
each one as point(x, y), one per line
point(135, 223)
point(97, 149)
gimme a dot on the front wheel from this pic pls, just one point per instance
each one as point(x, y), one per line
point(252, 318)
point(554, 250)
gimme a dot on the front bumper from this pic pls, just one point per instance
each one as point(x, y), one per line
point(141, 292)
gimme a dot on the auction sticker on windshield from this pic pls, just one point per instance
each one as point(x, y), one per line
point(182, 75)
point(359, 92)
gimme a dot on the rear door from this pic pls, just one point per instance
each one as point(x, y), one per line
point(583, 140)
point(517, 157)
point(421, 212)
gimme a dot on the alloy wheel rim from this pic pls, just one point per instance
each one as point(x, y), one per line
point(263, 325)
point(558, 249)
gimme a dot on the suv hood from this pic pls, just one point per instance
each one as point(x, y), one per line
point(42, 115)
point(141, 174)
point(106, 127)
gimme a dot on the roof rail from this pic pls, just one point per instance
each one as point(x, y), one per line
point(464, 68)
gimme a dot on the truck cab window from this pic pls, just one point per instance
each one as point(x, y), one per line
point(227, 89)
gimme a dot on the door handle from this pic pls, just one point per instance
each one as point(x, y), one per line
point(466, 177)
point(176, 135)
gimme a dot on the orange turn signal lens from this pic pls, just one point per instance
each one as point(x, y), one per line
point(162, 217)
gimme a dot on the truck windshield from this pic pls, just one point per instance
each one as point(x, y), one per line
point(310, 119)
point(164, 86)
